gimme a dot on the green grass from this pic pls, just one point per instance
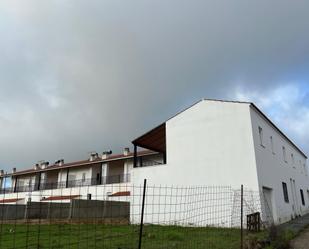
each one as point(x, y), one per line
point(100, 236)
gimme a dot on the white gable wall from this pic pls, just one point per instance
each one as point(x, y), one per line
point(208, 144)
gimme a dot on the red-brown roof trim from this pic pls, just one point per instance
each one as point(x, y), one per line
point(60, 197)
point(10, 200)
point(122, 193)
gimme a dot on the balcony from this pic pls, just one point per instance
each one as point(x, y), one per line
point(114, 179)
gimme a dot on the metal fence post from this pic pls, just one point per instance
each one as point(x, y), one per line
point(142, 217)
point(241, 216)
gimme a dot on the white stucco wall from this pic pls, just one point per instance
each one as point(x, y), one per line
point(273, 170)
point(208, 144)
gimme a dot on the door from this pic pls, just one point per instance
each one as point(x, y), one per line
point(294, 198)
point(268, 205)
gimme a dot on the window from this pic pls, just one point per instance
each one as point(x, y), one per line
point(302, 197)
point(84, 177)
point(285, 192)
point(305, 169)
point(272, 145)
point(293, 160)
point(284, 153)
point(261, 136)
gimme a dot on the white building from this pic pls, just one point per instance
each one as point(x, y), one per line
point(221, 143)
point(230, 143)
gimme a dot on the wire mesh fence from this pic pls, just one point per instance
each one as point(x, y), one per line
point(124, 216)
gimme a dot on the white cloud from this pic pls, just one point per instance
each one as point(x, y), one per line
point(285, 105)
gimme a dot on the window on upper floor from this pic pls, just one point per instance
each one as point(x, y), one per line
point(84, 177)
point(305, 169)
point(284, 154)
point(285, 192)
point(272, 145)
point(293, 160)
point(261, 136)
point(302, 197)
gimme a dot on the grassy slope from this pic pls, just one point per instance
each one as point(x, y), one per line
point(113, 237)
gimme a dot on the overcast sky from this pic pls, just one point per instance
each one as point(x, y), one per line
point(81, 76)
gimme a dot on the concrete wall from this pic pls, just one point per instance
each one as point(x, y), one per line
point(75, 209)
point(273, 170)
point(84, 209)
point(12, 212)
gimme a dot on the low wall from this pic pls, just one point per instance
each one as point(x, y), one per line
point(12, 212)
point(92, 209)
point(77, 209)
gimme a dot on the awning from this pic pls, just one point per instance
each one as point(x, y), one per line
point(154, 139)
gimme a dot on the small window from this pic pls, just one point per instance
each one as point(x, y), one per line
point(293, 160)
point(261, 136)
point(84, 177)
point(284, 153)
point(272, 145)
point(302, 197)
point(285, 192)
point(305, 169)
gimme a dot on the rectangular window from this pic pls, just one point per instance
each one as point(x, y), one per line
point(84, 177)
point(285, 192)
point(293, 160)
point(261, 136)
point(302, 197)
point(272, 145)
point(284, 153)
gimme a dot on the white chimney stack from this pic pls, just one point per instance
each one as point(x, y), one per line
point(14, 170)
point(126, 151)
point(93, 156)
point(1, 172)
point(36, 166)
point(105, 154)
point(44, 164)
point(59, 162)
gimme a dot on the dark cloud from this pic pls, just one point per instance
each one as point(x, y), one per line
point(78, 76)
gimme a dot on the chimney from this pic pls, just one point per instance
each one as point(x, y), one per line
point(44, 164)
point(1, 172)
point(126, 151)
point(93, 156)
point(14, 170)
point(59, 162)
point(36, 166)
point(105, 154)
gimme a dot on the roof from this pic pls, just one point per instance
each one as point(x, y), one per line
point(83, 163)
point(154, 139)
point(60, 197)
point(122, 193)
point(11, 200)
point(141, 138)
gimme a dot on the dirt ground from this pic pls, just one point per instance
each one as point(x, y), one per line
point(301, 241)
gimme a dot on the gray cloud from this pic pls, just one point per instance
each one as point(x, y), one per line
point(78, 76)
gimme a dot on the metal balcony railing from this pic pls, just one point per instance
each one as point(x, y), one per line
point(114, 179)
